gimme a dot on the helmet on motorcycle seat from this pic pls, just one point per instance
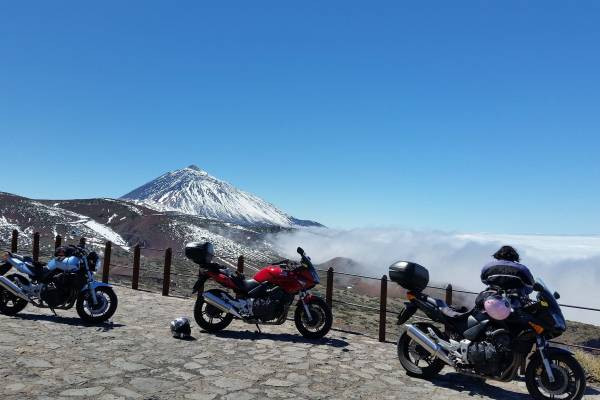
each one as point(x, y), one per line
point(180, 328)
point(497, 307)
point(200, 252)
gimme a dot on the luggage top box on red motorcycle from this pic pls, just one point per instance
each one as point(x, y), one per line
point(409, 275)
point(200, 252)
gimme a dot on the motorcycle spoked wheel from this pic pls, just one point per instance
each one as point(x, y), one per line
point(320, 322)
point(209, 317)
point(106, 307)
point(417, 361)
point(569, 378)
point(10, 304)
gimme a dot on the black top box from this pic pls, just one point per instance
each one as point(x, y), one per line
point(200, 252)
point(409, 275)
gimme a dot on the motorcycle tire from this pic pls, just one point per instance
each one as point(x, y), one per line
point(9, 304)
point(210, 318)
point(313, 329)
point(87, 315)
point(407, 347)
point(568, 373)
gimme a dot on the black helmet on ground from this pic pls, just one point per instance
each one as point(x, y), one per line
point(180, 328)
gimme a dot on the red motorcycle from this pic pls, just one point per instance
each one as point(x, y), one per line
point(264, 299)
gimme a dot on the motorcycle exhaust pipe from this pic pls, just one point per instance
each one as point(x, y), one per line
point(220, 304)
point(424, 341)
point(13, 289)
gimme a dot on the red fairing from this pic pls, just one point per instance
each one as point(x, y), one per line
point(268, 274)
point(290, 281)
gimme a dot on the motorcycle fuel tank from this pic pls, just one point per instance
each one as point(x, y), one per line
point(269, 274)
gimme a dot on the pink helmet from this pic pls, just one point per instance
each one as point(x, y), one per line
point(497, 307)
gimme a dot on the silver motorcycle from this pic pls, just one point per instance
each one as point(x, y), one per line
point(66, 281)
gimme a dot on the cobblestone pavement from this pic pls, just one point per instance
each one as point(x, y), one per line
point(45, 357)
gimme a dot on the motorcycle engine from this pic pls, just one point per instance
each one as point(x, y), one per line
point(58, 291)
point(492, 355)
point(272, 305)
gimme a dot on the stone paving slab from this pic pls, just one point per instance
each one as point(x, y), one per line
point(134, 357)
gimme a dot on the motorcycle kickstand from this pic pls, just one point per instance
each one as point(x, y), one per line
point(259, 331)
point(53, 312)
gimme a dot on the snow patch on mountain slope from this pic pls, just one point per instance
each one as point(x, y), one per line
point(107, 233)
point(193, 191)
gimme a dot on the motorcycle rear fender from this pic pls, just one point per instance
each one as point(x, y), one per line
point(199, 283)
point(95, 285)
point(409, 310)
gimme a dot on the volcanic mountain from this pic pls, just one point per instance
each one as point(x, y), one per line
point(193, 191)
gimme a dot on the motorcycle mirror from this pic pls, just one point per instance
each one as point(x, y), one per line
point(538, 287)
point(300, 251)
point(556, 295)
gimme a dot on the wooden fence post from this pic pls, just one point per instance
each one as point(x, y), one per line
point(36, 247)
point(449, 294)
point(167, 272)
point(382, 308)
point(135, 277)
point(14, 241)
point(240, 264)
point(106, 261)
point(57, 241)
point(329, 288)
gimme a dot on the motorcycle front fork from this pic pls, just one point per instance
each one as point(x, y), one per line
point(91, 288)
point(303, 295)
point(541, 348)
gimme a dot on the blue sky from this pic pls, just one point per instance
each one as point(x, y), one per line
point(470, 116)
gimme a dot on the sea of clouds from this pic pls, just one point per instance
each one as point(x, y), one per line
point(569, 264)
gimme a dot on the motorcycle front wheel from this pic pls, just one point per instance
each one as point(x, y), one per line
point(9, 303)
point(569, 378)
point(318, 323)
point(104, 308)
point(209, 317)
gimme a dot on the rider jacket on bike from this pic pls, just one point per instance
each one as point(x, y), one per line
point(506, 263)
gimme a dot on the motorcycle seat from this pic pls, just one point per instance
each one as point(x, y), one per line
point(248, 284)
point(447, 310)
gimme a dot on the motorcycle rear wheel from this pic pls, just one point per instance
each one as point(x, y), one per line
point(210, 318)
point(411, 354)
point(10, 304)
point(569, 377)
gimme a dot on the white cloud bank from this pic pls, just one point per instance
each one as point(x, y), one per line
point(570, 264)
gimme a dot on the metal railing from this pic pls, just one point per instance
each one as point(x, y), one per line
point(239, 264)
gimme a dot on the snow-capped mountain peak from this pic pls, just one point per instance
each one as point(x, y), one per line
point(192, 190)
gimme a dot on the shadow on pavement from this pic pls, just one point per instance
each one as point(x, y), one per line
point(473, 386)
point(281, 337)
point(104, 327)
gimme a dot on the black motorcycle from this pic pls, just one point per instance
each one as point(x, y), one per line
point(67, 281)
point(474, 343)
